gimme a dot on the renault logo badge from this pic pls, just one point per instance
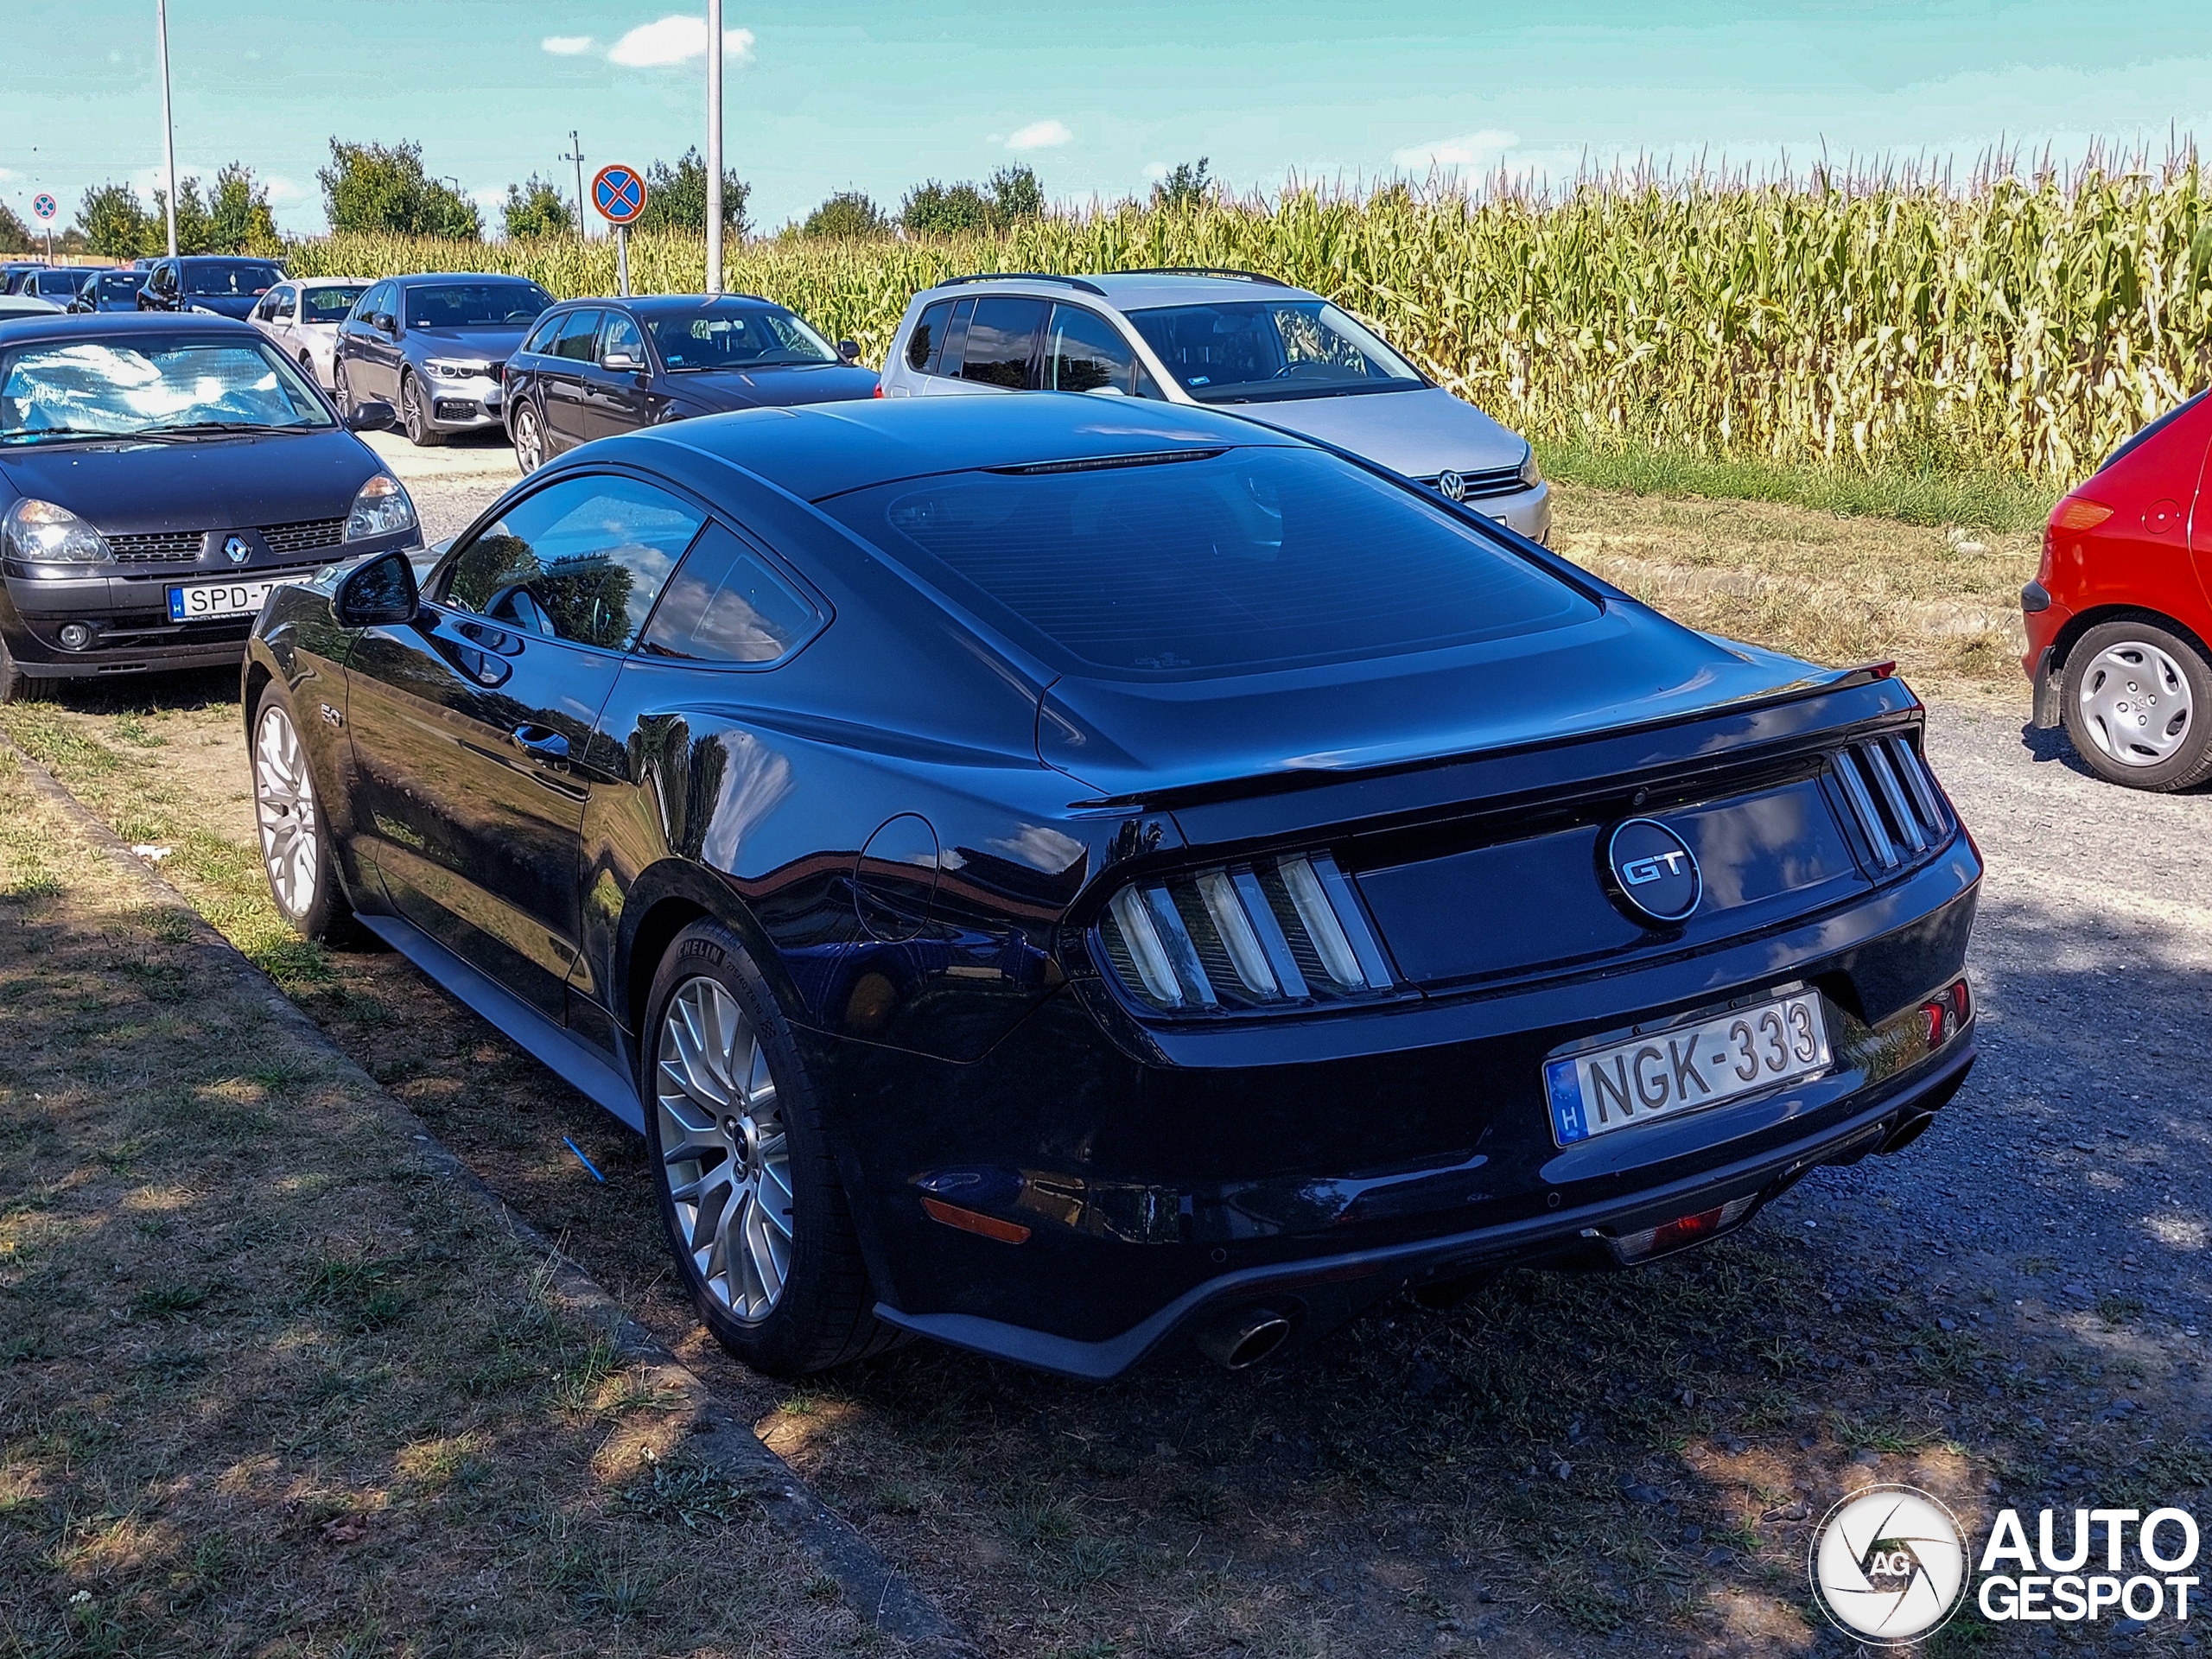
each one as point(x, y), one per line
point(1655, 878)
point(1452, 486)
point(236, 551)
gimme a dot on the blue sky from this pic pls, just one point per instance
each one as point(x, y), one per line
point(828, 94)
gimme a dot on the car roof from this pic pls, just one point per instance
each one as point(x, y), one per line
point(111, 324)
point(819, 450)
point(328, 281)
point(658, 302)
point(415, 278)
point(1131, 290)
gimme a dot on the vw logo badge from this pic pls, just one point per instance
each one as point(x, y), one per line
point(236, 551)
point(1655, 874)
point(1452, 486)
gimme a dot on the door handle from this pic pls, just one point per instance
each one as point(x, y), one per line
point(541, 743)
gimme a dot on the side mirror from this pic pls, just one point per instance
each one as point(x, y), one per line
point(379, 594)
point(383, 323)
point(848, 350)
point(375, 415)
point(621, 362)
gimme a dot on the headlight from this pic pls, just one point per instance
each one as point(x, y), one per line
point(381, 508)
point(446, 369)
point(1531, 474)
point(38, 532)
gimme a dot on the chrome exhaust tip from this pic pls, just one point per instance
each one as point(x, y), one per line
point(1239, 1340)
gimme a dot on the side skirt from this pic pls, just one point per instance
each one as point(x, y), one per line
point(576, 1063)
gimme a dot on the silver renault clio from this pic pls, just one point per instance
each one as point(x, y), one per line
point(1245, 343)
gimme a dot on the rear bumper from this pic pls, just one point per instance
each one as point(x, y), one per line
point(2044, 618)
point(1319, 1292)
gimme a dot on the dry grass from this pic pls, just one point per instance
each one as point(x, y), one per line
point(1944, 603)
point(265, 1387)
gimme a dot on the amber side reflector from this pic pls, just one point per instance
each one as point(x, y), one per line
point(2073, 513)
point(972, 1221)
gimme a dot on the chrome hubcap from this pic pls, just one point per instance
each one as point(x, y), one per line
point(2135, 703)
point(283, 805)
point(723, 1151)
point(412, 408)
point(527, 441)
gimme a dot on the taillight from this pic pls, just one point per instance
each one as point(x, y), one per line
point(1273, 933)
point(1674, 1235)
point(1945, 1013)
point(878, 393)
point(2075, 514)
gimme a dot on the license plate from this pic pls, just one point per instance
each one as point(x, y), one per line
point(1666, 1072)
point(211, 599)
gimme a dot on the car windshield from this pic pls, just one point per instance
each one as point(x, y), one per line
point(1255, 350)
point(735, 335)
point(1208, 563)
point(120, 285)
point(105, 388)
point(230, 278)
point(475, 305)
point(329, 304)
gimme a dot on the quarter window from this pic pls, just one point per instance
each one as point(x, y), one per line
point(1001, 337)
point(725, 605)
point(926, 348)
point(580, 559)
point(576, 335)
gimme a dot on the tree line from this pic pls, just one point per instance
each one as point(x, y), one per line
point(384, 188)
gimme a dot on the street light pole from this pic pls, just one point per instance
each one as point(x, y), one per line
point(169, 124)
point(713, 146)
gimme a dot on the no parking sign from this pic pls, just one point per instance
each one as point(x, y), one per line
point(619, 192)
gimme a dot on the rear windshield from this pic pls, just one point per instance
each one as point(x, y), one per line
point(329, 304)
point(475, 305)
point(231, 278)
point(119, 283)
point(1237, 561)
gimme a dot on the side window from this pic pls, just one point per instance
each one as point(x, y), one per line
point(580, 559)
point(540, 339)
point(926, 346)
point(578, 330)
point(1085, 352)
point(725, 605)
point(622, 339)
point(1001, 336)
point(374, 303)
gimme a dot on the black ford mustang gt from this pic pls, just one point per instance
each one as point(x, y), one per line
point(1054, 874)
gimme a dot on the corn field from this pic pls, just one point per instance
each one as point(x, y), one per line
point(2024, 325)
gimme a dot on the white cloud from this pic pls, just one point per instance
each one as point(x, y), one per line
point(1040, 135)
point(675, 40)
point(567, 45)
point(284, 191)
point(1157, 170)
point(1483, 148)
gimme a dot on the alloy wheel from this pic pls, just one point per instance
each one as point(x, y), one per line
point(411, 409)
point(2135, 703)
point(530, 441)
point(283, 805)
point(724, 1153)
point(342, 391)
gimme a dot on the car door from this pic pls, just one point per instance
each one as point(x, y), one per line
point(561, 382)
point(1084, 352)
point(471, 724)
point(377, 345)
point(162, 286)
point(268, 315)
point(615, 384)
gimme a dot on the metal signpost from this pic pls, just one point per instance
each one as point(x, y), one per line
point(713, 146)
point(619, 192)
point(45, 207)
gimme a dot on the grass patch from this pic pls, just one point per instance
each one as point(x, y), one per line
point(1981, 500)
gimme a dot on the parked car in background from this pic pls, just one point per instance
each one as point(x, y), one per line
point(158, 474)
point(434, 346)
point(110, 290)
point(2120, 627)
point(1228, 339)
point(220, 284)
point(595, 368)
point(12, 275)
point(303, 317)
point(992, 848)
point(26, 305)
point(60, 283)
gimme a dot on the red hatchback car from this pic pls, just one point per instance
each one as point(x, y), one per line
point(2120, 611)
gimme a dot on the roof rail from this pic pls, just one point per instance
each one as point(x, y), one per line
point(1022, 277)
point(1205, 270)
